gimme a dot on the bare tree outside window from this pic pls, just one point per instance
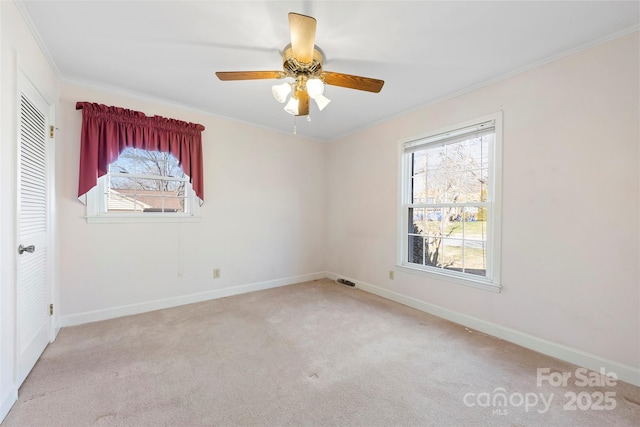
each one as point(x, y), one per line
point(447, 213)
point(146, 181)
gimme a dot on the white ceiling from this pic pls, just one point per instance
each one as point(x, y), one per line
point(423, 50)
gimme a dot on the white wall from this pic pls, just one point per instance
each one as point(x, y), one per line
point(18, 51)
point(262, 220)
point(570, 229)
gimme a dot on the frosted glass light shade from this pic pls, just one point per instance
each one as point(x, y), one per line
point(280, 92)
point(315, 88)
point(322, 101)
point(292, 106)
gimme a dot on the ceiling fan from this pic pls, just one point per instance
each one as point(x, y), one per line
point(302, 61)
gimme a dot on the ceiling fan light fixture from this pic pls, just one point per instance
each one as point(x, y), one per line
point(321, 101)
point(281, 91)
point(292, 106)
point(302, 61)
point(315, 88)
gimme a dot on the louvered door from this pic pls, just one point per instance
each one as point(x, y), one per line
point(33, 229)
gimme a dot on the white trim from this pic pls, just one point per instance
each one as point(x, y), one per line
point(143, 307)
point(624, 372)
point(145, 218)
point(7, 404)
point(51, 225)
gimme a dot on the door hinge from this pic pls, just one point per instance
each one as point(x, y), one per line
point(51, 131)
point(50, 309)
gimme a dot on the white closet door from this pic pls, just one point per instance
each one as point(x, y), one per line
point(33, 319)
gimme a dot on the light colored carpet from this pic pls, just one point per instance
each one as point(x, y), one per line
point(316, 353)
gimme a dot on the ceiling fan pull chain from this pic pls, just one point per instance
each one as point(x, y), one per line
point(295, 131)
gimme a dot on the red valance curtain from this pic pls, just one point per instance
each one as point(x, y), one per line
point(107, 131)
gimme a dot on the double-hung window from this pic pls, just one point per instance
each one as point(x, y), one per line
point(450, 208)
point(147, 185)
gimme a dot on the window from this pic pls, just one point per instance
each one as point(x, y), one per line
point(134, 167)
point(147, 185)
point(450, 210)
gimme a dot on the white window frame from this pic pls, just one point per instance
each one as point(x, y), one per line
point(494, 204)
point(97, 208)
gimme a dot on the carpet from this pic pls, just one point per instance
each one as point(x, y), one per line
point(312, 354)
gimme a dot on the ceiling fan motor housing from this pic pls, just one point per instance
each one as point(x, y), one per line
point(294, 68)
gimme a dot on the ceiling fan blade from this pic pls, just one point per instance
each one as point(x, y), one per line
point(303, 36)
point(352, 82)
point(303, 103)
point(249, 75)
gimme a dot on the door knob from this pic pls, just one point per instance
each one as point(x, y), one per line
point(23, 249)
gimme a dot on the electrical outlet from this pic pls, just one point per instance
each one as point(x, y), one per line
point(392, 274)
point(216, 273)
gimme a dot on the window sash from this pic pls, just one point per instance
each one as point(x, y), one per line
point(97, 208)
point(488, 277)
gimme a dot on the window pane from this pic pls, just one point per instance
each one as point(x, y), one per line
point(486, 140)
point(456, 153)
point(177, 186)
point(419, 162)
point(435, 157)
point(433, 224)
point(416, 249)
point(453, 225)
point(434, 252)
point(474, 185)
point(416, 220)
point(468, 214)
point(173, 204)
point(475, 257)
point(454, 185)
point(120, 201)
point(125, 163)
point(156, 163)
point(473, 228)
point(436, 185)
point(452, 254)
point(476, 151)
point(149, 184)
point(484, 182)
point(139, 191)
point(418, 190)
point(118, 182)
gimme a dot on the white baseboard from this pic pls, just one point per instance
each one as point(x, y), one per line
point(625, 373)
point(127, 310)
point(7, 402)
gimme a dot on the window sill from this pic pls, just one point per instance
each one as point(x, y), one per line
point(121, 219)
point(479, 284)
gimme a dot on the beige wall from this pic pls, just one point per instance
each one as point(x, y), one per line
point(570, 203)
